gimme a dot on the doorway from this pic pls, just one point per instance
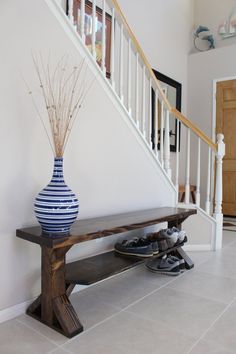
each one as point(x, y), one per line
point(226, 124)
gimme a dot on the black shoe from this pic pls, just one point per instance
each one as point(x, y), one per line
point(135, 247)
point(163, 266)
point(181, 262)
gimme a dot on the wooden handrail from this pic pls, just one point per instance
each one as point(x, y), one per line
point(141, 53)
point(194, 128)
point(173, 110)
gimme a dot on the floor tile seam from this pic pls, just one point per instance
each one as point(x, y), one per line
point(209, 328)
point(153, 292)
point(41, 334)
point(82, 334)
point(158, 322)
point(103, 302)
point(66, 350)
point(116, 314)
point(200, 296)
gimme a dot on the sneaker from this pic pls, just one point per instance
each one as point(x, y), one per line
point(181, 234)
point(154, 243)
point(135, 247)
point(163, 266)
point(166, 239)
point(181, 262)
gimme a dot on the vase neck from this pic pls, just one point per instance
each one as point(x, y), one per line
point(58, 170)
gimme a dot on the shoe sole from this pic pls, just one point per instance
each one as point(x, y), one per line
point(135, 254)
point(165, 272)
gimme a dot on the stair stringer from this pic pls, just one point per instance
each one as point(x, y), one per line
point(201, 230)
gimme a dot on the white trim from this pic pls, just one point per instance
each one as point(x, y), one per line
point(217, 242)
point(194, 206)
point(14, 311)
point(229, 78)
point(197, 248)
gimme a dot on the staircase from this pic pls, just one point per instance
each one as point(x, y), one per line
point(131, 83)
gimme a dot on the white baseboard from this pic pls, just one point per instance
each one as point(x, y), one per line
point(14, 311)
point(197, 248)
point(20, 309)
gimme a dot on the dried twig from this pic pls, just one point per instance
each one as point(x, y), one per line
point(64, 91)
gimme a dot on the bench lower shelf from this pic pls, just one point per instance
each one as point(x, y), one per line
point(93, 269)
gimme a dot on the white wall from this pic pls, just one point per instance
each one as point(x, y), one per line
point(163, 28)
point(212, 13)
point(104, 162)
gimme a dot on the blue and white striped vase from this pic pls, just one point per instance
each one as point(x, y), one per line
point(56, 206)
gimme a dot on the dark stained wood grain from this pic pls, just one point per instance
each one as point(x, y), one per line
point(90, 229)
point(53, 307)
point(93, 269)
point(66, 316)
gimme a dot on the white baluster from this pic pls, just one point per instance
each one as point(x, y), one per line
point(218, 190)
point(167, 144)
point(161, 134)
point(94, 29)
point(121, 62)
point(150, 114)
point(177, 160)
point(156, 122)
point(82, 16)
point(187, 182)
point(207, 208)
point(198, 173)
point(129, 76)
point(144, 103)
point(71, 11)
point(104, 37)
point(112, 66)
point(137, 91)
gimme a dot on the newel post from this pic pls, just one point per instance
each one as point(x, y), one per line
point(218, 190)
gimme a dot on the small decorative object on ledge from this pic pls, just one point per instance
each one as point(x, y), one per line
point(203, 40)
point(63, 90)
point(228, 28)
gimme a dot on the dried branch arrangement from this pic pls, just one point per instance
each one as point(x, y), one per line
point(64, 89)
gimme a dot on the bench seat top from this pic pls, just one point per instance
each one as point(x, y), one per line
point(90, 229)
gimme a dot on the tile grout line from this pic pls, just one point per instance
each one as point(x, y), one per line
point(89, 329)
point(161, 287)
point(133, 303)
point(66, 350)
point(121, 310)
point(209, 328)
point(41, 334)
point(61, 346)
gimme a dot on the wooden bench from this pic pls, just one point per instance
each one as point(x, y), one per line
point(53, 306)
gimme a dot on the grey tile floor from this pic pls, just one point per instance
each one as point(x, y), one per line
point(139, 312)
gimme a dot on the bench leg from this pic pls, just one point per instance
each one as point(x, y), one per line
point(180, 253)
point(53, 307)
